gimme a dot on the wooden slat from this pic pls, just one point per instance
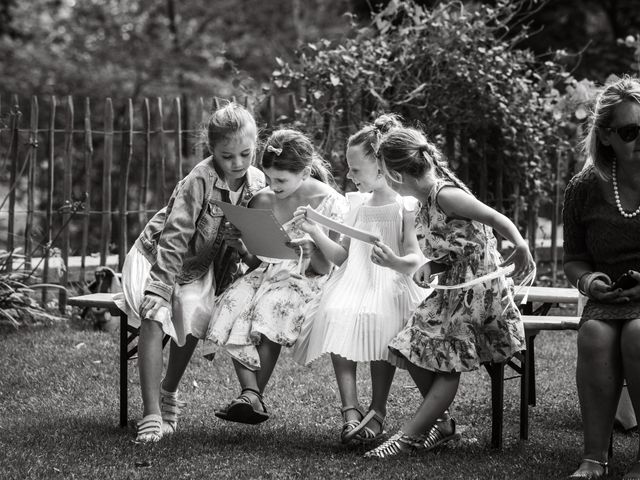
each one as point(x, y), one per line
point(146, 168)
point(544, 322)
point(67, 197)
point(106, 182)
point(549, 295)
point(88, 166)
point(13, 178)
point(33, 159)
point(178, 150)
point(163, 146)
point(123, 187)
point(50, 182)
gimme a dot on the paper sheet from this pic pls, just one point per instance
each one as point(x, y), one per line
point(262, 234)
point(341, 227)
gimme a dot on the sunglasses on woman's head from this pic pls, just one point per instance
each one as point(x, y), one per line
point(627, 133)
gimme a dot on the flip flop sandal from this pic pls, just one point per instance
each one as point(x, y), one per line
point(590, 475)
point(348, 426)
point(149, 429)
point(366, 434)
point(436, 437)
point(241, 409)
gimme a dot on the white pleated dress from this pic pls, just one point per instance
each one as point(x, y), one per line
point(363, 306)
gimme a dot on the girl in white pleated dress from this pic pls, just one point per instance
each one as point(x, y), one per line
point(370, 297)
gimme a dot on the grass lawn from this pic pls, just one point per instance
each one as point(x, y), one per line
point(59, 419)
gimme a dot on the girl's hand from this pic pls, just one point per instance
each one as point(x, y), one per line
point(232, 236)
point(382, 255)
point(422, 276)
point(151, 304)
point(521, 259)
point(304, 244)
point(302, 222)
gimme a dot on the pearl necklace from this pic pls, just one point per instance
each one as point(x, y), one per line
point(614, 178)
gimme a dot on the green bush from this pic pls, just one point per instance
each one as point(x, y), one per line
point(457, 72)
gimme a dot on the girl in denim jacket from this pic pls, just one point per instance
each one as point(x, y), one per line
point(180, 262)
point(264, 310)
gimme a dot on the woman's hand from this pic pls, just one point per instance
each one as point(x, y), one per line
point(232, 236)
point(305, 245)
point(383, 256)
point(151, 304)
point(301, 220)
point(605, 292)
point(521, 259)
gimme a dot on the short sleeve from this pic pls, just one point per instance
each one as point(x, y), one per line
point(411, 204)
point(336, 207)
point(354, 201)
point(574, 230)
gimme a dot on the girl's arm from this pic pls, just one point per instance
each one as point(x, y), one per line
point(456, 202)
point(328, 245)
point(412, 259)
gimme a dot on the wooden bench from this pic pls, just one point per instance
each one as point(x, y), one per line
point(533, 324)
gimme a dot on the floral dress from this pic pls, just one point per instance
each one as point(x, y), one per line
point(269, 300)
point(457, 330)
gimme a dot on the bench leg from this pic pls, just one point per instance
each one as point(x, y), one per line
point(527, 385)
point(123, 370)
point(496, 372)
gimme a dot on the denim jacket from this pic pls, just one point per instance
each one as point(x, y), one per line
point(180, 240)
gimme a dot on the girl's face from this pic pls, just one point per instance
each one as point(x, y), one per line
point(283, 182)
point(234, 157)
point(363, 171)
point(624, 124)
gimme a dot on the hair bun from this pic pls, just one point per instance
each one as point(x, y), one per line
point(386, 122)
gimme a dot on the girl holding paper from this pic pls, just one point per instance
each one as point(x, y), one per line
point(365, 303)
point(263, 310)
point(469, 320)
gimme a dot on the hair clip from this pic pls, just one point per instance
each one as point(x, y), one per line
point(277, 151)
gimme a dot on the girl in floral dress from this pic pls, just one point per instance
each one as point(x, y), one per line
point(454, 330)
point(263, 311)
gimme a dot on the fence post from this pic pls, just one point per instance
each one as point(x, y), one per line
point(13, 178)
point(68, 206)
point(88, 160)
point(50, 180)
point(106, 182)
point(32, 157)
point(124, 184)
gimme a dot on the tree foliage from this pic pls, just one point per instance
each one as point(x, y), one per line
point(455, 71)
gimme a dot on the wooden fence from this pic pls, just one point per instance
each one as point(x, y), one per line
point(85, 177)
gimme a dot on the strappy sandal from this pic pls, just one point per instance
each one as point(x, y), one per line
point(436, 437)
point(149, 429)
point(170, 408)
point(348, 425)
point(366, 434)
point(241, 409)
point(590, 475)
point(400, 443)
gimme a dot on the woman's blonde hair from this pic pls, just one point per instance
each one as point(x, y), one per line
point(601, 156)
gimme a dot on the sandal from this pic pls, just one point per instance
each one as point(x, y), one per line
point(577, 475)
point(349, 425)
point(170, 409)
point(149, 429)
point(242, 409)
point(400, 443)
point(366, 434)
point(436, 436)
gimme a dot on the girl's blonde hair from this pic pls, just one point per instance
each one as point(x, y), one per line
point(292, 151)
point(407, 150)
point(610, 96)
point(226, 122)
point(369, 137)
